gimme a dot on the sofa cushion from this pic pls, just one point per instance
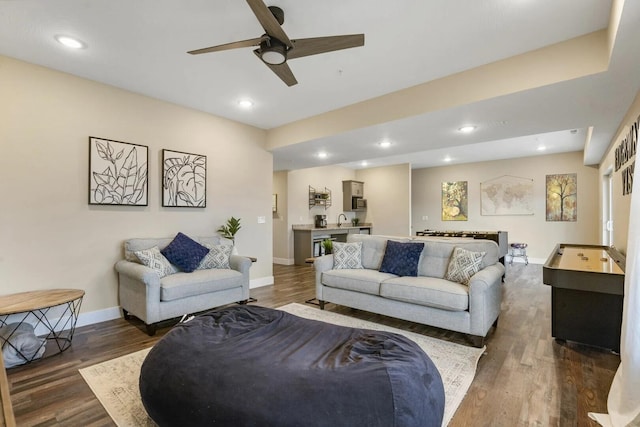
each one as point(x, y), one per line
point(359, 280)
point(154, 259)
point(437, 253)
point(347, 255)
point(181, 285)
point(428, 291)
point(185, 253)
point(401, 258)
point(218, 257)
point(463, 265)
point(372, 248)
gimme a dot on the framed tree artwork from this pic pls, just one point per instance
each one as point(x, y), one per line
point(455, 203)
point(184, 179)
point(562, 197)
point(117, 173)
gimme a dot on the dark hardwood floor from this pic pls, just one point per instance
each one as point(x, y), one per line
point(525, 378)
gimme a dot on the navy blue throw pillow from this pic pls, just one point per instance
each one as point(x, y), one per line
point(401, 259)
point(185, 253)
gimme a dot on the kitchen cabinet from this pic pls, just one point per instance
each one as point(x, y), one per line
point(352, 193)
point(306, 236)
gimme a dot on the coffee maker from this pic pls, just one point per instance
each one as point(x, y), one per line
point(321, 221)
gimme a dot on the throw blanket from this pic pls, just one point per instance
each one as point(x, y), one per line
point(25, 346)
point(254, 366)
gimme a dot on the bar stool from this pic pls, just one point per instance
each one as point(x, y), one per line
point(518, 250)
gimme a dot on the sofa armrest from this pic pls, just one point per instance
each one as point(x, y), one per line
point(485, 298)
point(138, 272)
point(240, 263)
point(321, 264)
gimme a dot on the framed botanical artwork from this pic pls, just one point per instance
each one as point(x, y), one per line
point(455, 203)
point(117, 173)
point(184, 179)
point(562, 197)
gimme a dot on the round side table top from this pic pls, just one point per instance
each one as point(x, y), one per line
point(36, 300)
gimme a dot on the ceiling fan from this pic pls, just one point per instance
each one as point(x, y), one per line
point(275, 47)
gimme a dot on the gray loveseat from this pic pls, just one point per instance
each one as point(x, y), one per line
point(428, 298)
point(152, 299)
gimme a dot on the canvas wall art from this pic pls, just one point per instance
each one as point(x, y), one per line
point(117, 173)
point(506, 195)
point(455, 204)
point(184, 179)
point(562, 197)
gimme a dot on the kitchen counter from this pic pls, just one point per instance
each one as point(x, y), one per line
point(330, 227)
point(307, 238)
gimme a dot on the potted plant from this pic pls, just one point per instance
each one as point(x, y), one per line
point(327, 245)
point(230, 229)
point(355, 221)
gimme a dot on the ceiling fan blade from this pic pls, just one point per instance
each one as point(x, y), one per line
point(283, 71)
point(268, 21)
point(228, 46)
point(316, 45)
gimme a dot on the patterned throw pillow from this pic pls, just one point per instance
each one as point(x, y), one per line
point(218, 257)
point(185, 253)
point(401, 259)
point(463, 265)
point(153, 259)
point(347, 255)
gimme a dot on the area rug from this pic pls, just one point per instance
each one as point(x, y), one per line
point(115, 382)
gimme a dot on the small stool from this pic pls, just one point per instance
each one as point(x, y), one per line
point(518, 250)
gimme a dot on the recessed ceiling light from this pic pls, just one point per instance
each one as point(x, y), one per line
point(70, 42)
point(245, 103)
point(385, 144)
point(541, 148)
point(364, 163)
point(467, 128)
point(323, 155)
point(446, 159)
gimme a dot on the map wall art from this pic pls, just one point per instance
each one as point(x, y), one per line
point(506, 195)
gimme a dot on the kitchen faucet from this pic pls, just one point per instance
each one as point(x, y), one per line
point(345, 218)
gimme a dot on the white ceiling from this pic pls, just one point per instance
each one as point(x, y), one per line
point(141, 46)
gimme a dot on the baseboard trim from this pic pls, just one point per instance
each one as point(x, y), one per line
point(521, 260)
point(260, 282)
point(284, 261)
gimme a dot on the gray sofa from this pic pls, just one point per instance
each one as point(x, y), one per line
point(428, 298)
point(152, 299)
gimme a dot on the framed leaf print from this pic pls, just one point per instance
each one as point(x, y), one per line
point(184, 179)
point(117, 173)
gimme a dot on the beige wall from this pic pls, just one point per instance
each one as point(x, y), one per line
point(52, 238)
point(621, 203)
point(540, 235)
point(388, 193)
point(281, 218)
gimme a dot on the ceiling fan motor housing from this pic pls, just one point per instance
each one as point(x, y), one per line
point(277, 13)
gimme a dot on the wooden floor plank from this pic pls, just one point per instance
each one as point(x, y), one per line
point(525, 378)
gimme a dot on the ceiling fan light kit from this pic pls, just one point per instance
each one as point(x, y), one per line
point(273, 52)
point(275, 47)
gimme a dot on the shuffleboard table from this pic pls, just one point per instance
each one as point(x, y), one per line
point(587, 294)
